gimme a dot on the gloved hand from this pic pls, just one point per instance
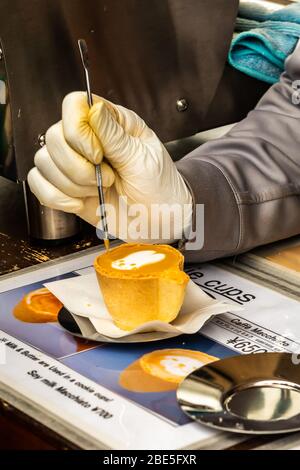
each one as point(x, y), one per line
point(136, 166)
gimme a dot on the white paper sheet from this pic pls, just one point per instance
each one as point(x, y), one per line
point(81, 295)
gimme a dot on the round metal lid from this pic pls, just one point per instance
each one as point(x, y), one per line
point(253, 393)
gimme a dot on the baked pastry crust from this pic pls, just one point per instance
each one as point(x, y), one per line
point(143, 294)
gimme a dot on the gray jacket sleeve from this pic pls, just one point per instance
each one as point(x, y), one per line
point(249, 180)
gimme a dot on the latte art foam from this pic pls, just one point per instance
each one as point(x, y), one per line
point(180, 366)
point(137, 260)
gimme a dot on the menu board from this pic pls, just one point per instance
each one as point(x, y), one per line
point(269, 321)
point(123, 396)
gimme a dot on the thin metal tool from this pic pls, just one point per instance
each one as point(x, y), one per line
point(85, 62)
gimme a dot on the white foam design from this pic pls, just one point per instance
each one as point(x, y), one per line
point(180, 366)
point(137, 260)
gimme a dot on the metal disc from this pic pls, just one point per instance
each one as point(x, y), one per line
point(253, 393)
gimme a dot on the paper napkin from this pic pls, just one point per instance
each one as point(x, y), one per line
point(81, 296)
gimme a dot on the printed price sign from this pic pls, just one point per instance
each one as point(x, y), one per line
point(269, 321)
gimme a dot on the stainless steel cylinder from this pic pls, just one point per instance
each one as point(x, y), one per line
point(48, 224)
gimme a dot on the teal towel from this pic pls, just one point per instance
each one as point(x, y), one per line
point(264, 39)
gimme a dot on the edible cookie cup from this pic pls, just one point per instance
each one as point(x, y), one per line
point(141, 283)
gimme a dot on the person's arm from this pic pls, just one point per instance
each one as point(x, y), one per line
point(249, 180)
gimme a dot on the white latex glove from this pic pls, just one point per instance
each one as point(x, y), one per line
point(137, 166)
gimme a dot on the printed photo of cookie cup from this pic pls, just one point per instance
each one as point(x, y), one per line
point(38, 306)
point(133, 297)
